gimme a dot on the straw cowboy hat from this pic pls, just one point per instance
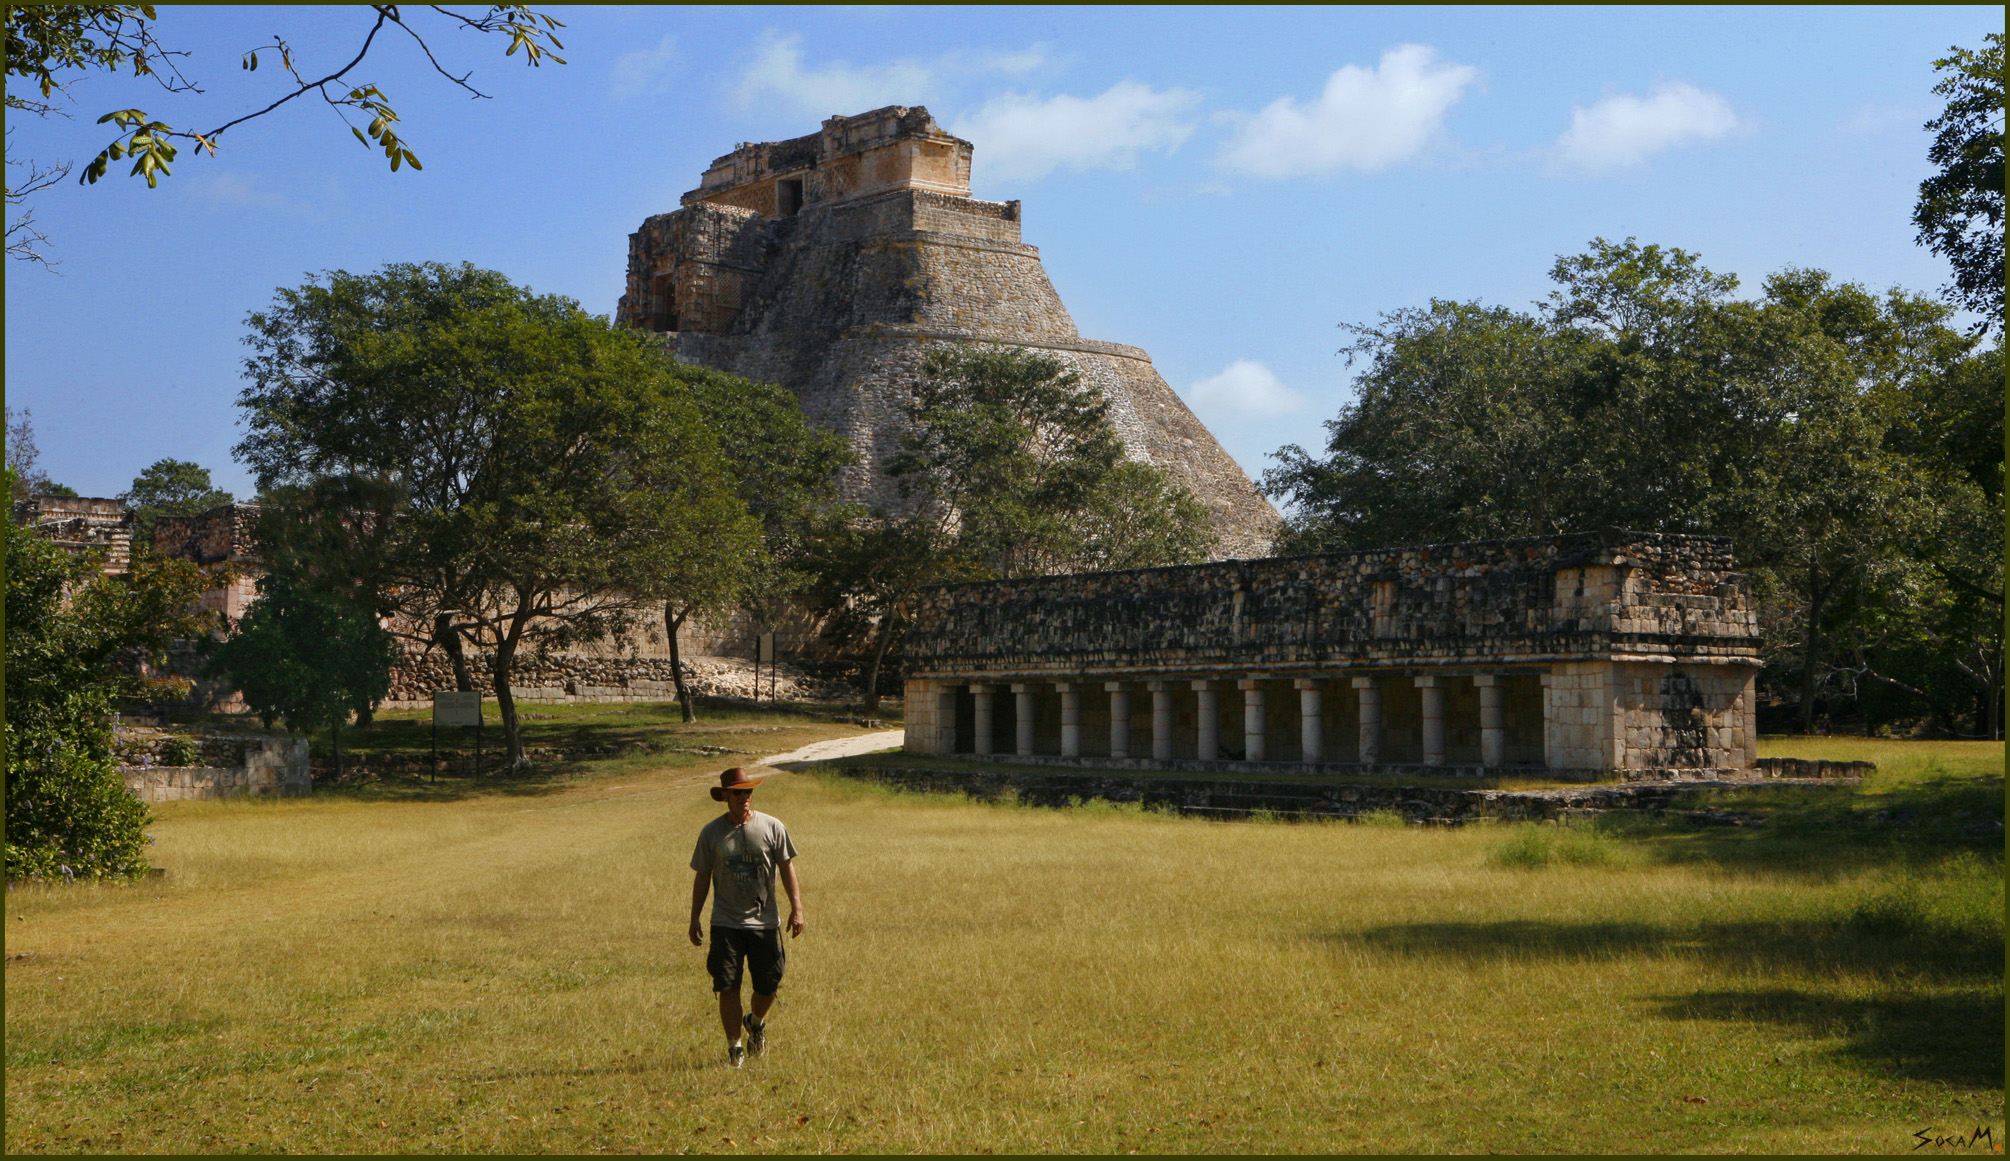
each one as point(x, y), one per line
point(734, 779)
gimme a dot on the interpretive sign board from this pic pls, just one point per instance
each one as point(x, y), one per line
point(452, 708)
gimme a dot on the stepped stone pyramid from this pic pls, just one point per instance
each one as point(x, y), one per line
point(832, 263)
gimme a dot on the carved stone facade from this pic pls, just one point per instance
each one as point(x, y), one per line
point(80, 524)
point(833, 263)
point(1601, 653)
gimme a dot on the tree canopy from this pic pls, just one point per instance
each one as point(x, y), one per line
point(306, 657)
point(77, 642)
point(1812, 424)
point(526, 471)
point(1960, 207)
point(50, 45)
point(1010, 468)
point(170, 487)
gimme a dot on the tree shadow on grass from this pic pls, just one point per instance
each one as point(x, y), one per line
point(539, 782)
point(1954, 1033)
point(1818, 947)
point(1822, 832)
point(1955, 1037)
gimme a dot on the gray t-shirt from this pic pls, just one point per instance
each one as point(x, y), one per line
point(742, 861)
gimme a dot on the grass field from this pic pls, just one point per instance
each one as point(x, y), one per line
point(502, 968)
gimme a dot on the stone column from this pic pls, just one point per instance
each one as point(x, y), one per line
point(1162, 720)
point(1493, 719)
point(1120, 719)
point(982, 694)
point(945, 721)
point(1252, 718)
point(1311, 721)
point(1071, 718)
point(1022, 719)
point(1370, 696)
point(1433, 689)
point(1207, 722)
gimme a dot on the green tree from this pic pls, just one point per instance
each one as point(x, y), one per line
point(170, 487)
point(1011, 468)
point(51, 46)
point(77, 641)
point(307, 658)
point(1020, 458)
point(1643, 395)
point(1960, 207)
point(528, 464)
point(25, 476)
point(786, 473)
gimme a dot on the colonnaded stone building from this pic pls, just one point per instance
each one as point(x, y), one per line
point(832, 263)
point(1600, 653)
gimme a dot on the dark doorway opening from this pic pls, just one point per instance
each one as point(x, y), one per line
point(788, 196)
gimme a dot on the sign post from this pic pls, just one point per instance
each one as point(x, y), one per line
point(765, 656)
point(455, 708)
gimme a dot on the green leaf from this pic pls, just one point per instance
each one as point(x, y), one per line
point(251, 62)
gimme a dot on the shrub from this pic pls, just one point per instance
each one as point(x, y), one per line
point(1533, 845)
point(70, 816)
point(1530, 846)
point(180, 751)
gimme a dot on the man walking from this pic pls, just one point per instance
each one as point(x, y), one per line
point(737, 856)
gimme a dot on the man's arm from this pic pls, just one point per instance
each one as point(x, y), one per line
point(699, 887)
point(795, 891)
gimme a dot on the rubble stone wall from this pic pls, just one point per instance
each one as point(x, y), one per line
point(265, 766)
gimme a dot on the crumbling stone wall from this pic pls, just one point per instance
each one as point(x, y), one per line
point(98, 525)
point(240, 765)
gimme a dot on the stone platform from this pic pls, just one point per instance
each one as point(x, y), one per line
point(1233, 799)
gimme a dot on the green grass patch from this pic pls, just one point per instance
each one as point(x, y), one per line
point(507, 973)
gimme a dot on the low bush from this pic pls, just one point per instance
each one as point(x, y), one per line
point(1533, 846)
point(180, 751)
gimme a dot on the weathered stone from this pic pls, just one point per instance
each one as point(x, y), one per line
point(833, 263)
point(1607, 651)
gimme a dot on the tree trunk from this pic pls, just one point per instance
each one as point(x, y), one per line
point(1810, 647)
point(872, 671)
point(672, 622)
point(448, 638)
point(514, 759)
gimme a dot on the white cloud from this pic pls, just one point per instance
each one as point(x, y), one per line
point(1245, 389)
point(1022, 136)
point(1622, 130)
point(1871, 120)
point(778, 72)
point(1365, 119)
point(645, 70)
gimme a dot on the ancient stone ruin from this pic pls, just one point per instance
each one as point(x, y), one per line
point(832, 263)
point(1593, 654)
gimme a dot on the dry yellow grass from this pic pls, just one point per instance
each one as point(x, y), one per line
point(508, 974)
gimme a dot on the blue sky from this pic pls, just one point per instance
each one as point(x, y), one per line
point(1222, 187)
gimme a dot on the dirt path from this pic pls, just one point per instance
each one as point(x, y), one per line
point(835, 748)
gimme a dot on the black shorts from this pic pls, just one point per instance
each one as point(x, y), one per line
point(761, 951)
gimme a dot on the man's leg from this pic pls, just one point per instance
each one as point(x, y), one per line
point(729, 1012)
point(761, 1005)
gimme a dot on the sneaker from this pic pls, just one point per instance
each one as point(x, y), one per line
point(757, 1035)
point(736, 1056)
